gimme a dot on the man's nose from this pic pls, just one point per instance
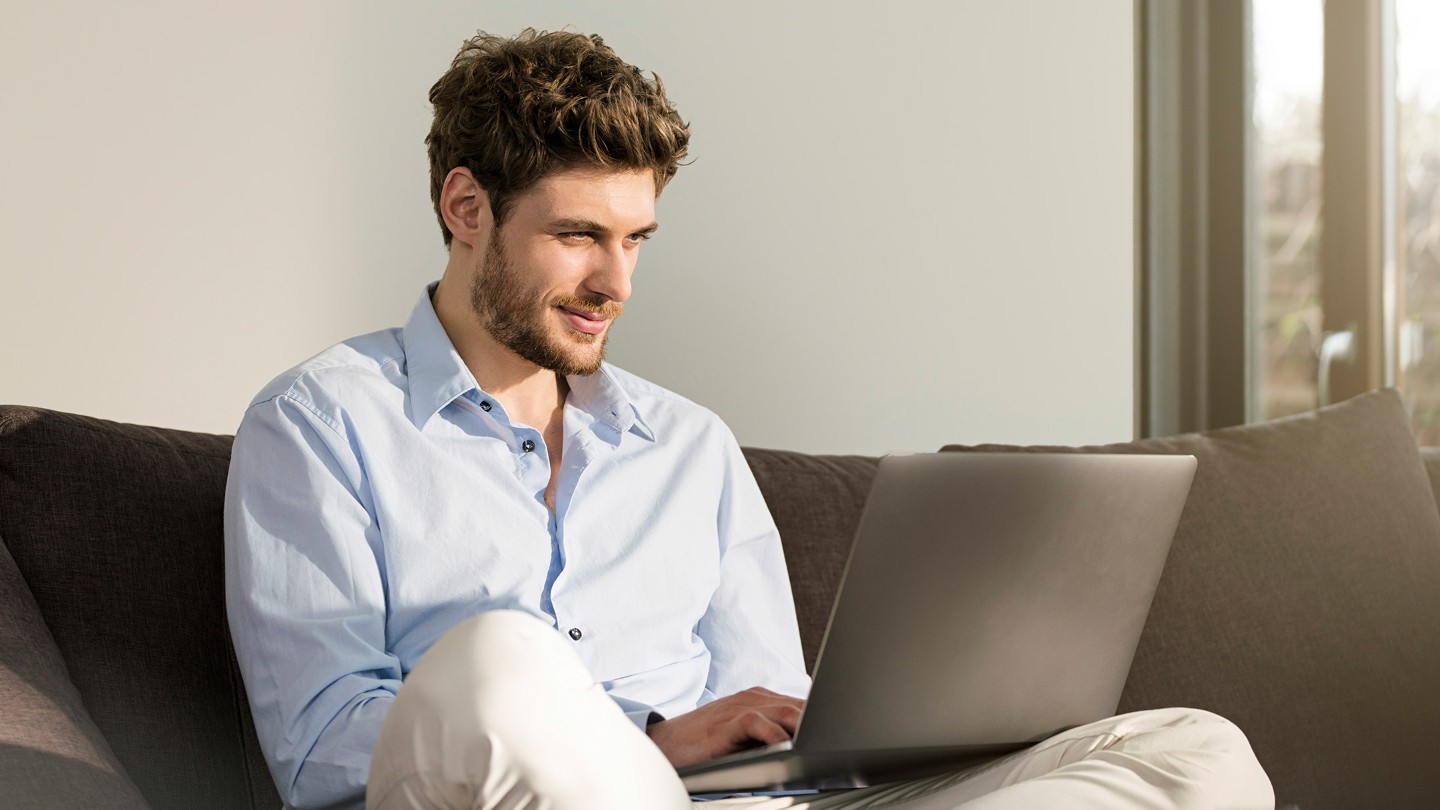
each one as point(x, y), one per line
point(610, 274)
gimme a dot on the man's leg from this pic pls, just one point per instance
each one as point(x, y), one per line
point(1167, 758)
point(500, 713)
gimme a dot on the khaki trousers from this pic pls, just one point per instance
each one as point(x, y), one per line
point(501, 715)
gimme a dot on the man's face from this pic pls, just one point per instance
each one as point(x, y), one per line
point(555, 276)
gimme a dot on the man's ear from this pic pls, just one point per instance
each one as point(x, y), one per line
point(465, 207)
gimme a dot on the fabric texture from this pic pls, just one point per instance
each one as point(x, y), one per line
point(116, 531)
point(1430, 456)
point(378, 497)
point(46, 736)
point(1300, 601)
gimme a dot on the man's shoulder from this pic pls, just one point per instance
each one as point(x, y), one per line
point(373, 363)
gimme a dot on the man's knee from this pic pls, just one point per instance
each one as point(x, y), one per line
point(503, 703)
point(491, 656)
point(1207, 748)
point(466, 715)
point(1178, 725)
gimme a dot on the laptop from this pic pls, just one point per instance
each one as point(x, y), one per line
point(991, 600)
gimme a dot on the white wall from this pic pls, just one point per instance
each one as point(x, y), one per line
point(905, 225)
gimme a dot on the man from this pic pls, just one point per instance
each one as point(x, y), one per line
point(470, 564)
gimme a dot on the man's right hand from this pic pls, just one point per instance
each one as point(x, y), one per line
point(746, 719)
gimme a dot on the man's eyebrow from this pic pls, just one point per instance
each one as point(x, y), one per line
point(589, 225)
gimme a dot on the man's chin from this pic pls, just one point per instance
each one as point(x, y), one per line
point(583, 359)
point(584, 367)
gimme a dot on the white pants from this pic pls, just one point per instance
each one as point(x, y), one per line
point(500, 714)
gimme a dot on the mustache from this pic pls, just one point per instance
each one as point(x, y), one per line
point(600, 307)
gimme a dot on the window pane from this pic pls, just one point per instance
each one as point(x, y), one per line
point(1285, 273)
point(1417, 256)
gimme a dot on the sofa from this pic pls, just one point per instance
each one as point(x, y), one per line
point(1301, 599)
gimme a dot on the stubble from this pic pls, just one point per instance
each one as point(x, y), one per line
point(515, 315)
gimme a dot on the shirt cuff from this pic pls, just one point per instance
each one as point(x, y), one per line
point(640, 714)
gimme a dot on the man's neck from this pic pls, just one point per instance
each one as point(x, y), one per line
point(531, 395)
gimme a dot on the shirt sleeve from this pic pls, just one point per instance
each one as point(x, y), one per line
point(306, 603)
point(750, 626)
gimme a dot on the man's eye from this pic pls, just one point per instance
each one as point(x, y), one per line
point(637, 238)
point(575, 236)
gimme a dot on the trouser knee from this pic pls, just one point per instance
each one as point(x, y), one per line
point(502, 711)
point(1207, 729)
point(1204, 737)
point(480, 662)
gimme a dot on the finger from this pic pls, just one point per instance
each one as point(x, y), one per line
point(763, 695)
point(757, 726)
point(786, 716)
point(784, 702)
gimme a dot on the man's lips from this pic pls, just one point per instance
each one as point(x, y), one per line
point(591, 323)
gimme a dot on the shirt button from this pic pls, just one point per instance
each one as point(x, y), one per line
point(527, 445)
point(575, 633)
point(485, 406)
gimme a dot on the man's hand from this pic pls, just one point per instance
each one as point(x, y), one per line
point(746, 719)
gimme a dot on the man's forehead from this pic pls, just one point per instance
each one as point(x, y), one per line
point(594, 194)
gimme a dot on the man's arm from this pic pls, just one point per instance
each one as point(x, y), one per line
point(306, 603)
point(757, 670)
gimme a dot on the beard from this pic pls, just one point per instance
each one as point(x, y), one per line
point(518, 318)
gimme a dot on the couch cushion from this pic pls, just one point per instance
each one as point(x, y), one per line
point(1302, 600)
point(47, 738)
point(816, 503)
point(117, 532)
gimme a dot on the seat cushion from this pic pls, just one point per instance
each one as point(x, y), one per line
point(1301, 600)
point(117, 532)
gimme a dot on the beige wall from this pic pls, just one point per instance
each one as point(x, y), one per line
point(906, 224)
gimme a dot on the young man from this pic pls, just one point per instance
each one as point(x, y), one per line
point(469, 564)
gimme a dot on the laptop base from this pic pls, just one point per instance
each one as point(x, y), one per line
point(787, 770)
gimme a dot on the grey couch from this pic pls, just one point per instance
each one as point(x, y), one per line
point(1301, 599)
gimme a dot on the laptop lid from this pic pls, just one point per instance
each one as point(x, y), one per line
point(992, 598)
point(990, 601)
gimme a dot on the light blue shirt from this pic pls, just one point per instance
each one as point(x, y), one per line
point(378, 497)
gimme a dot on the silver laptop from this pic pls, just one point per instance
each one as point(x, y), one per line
point(991, 600)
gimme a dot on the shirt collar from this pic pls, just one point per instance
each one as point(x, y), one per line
point(602, 396)
point(437, 376)
point(436, 373)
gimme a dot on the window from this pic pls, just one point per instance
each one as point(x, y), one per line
point(1289, 187)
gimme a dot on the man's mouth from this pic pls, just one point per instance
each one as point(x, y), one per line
point(591, 323)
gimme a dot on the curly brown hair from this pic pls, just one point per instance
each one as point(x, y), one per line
point(515, 110)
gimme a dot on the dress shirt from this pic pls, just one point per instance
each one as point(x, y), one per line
point(378, 497)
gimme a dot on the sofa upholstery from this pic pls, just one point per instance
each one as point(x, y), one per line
point(1300, 598)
